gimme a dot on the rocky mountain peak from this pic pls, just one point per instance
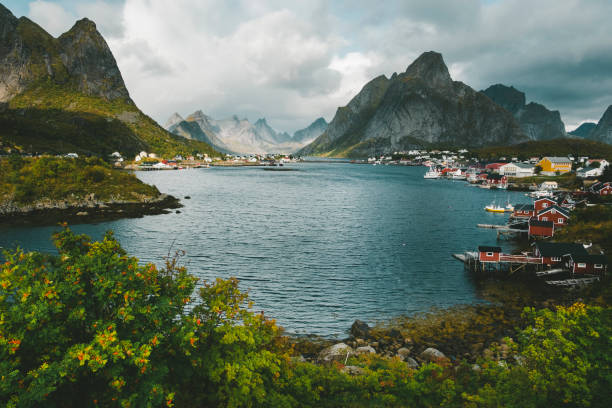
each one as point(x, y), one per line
point(603, 130)
point(430, 67)
point(6, 18)
point(508, 97)
point(261, 122)
point(173, 120)
point(84, 24)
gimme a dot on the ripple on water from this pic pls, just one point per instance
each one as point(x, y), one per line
point(317, 248)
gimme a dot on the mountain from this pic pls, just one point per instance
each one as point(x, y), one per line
point(420, 106)
point(536, 121)
point(584, 130)
point(603, 130)
point(67, 94)
point(234, 135)
point(310, 133)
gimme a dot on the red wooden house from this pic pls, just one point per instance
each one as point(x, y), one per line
point(586, 264)
point(523, 211)
point(542, 203)
point(552, 252)
point(604, 189)
point(497, 180)
point(494, 167)
point(540, 229)
point(556, 214)
point(489, 253)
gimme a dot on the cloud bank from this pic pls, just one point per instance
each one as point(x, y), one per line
point(292, 63)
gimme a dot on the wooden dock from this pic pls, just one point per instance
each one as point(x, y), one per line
point(573, 282)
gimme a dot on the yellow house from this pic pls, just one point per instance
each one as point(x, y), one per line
point(552, 165)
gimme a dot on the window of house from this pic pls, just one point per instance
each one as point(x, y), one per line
point(545, 205)
point(555, 259)
point(489, 253)
point(560, 220)
point(598, 266)
point(581, 265)
point(544, 218)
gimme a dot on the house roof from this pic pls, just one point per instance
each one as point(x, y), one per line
point(495, 166)
point(555, 159)
point(537, 223)
point(549, 249)
point(489, 249)
point(593, 259)
point(524, 207)
point(520, 165)
point(561, 210)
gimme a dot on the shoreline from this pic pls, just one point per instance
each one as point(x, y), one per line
point(84, 212)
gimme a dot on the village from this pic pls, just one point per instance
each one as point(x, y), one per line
point(559, 264)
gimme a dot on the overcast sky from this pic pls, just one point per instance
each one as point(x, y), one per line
point(293, 61)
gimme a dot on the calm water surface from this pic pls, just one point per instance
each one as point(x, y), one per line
point(319, 247)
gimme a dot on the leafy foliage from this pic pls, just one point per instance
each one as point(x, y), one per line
point(28, 180)
point(90, 326)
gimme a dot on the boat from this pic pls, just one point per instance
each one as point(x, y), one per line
point(495, 208)
point(431, 174)
point(458, 175)
point(509, 208)
point(541, 194)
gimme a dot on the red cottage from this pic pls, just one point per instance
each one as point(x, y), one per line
point(523, 211)
point(489, 253)
point(542, 203)
point(540, 229)
point(553, 252)
point(586, 264)
point(556, 214)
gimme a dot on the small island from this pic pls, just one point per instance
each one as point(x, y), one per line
point(48, 190)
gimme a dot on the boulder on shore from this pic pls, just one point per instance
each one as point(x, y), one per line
point(365, 350)
point(360, 329)
point(337, 352)
point(433, 355)
point(411, 363)
point(353, 370)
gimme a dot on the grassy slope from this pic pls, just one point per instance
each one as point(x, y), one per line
point(29, 180)
point(555, 147)
point(53, 118)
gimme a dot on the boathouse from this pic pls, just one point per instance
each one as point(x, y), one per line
point(552, 253)
point(540, 229)
point(489, 253)
point(586, 264)
point(604, 189)
point(497, 180)
point(542, 203)
point(556, 214)
point(523, 211)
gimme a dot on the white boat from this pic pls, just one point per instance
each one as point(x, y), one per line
point(458, 175)
point(431, 174)
point(541, 194)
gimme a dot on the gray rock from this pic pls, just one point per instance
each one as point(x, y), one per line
point(365, 350)
point(82, 213)
point(433, 355)
point(403, 353)
point(337, 352)
point(360, 329)
point(411, 363)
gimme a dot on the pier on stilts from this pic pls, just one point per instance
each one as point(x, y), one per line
point(490, 260)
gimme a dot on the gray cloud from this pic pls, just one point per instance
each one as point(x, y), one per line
point(294, 61)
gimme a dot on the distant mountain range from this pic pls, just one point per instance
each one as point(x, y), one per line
point(235, 135)
point(67, 94)
point(420, 106)
point(424, 106)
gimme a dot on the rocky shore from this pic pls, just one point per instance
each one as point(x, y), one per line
point(87, 210)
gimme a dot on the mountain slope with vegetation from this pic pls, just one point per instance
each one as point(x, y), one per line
point(66, 94)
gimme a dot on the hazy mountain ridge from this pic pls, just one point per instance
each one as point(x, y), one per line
point(67, 94)
point(420, 106)
point(603, 131)
point(235, 135)
point(584, 130)
point(536, 121)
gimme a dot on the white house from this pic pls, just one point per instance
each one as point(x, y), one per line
point(593, 171)
point(517, 170)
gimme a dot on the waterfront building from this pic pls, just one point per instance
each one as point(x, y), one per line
point(553, 165)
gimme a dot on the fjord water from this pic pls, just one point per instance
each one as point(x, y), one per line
point(318, 247)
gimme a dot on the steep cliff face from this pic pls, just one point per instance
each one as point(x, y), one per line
point(311, 132)
point(67, 94)
point(536, 121)
point(421, 105)
point(584, 130)
point(603, 131)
